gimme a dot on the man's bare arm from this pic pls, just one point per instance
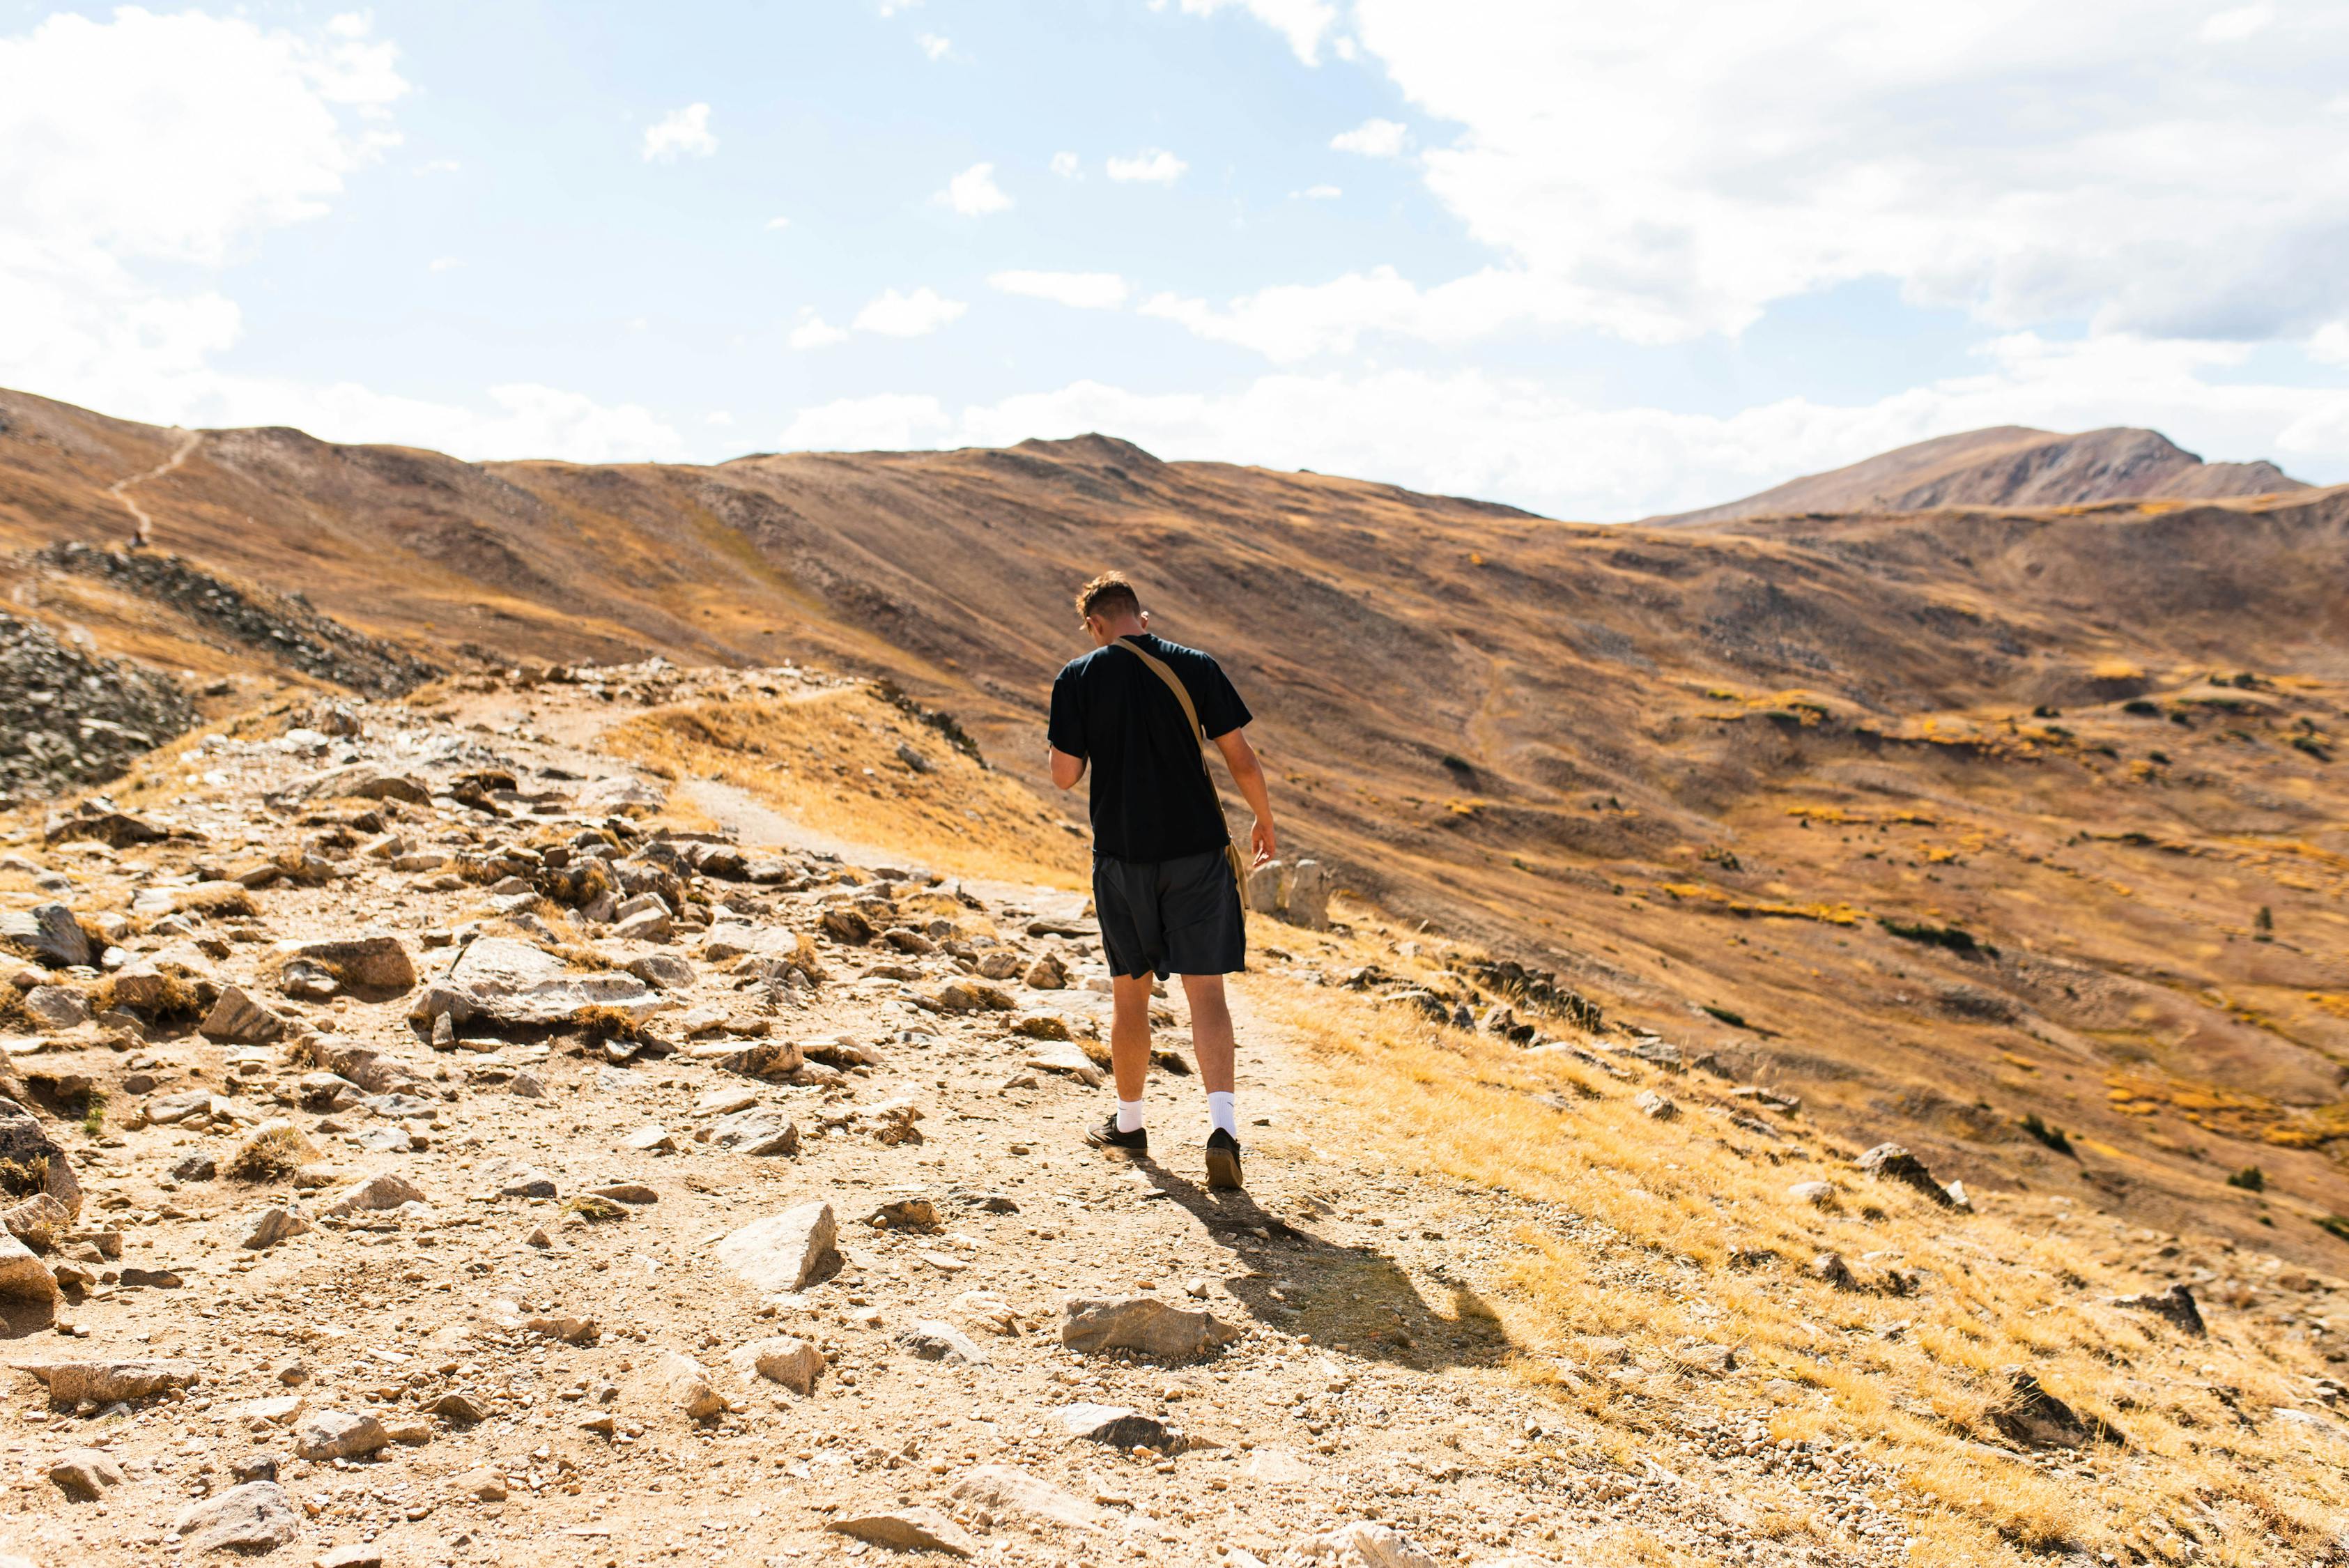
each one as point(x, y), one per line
point(1066, 770)
point(1248, 775)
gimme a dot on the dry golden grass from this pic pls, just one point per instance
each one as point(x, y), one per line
point(1657, 1225)
point(831, 762)
point(273, 1153)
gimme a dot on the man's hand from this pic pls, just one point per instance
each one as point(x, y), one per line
point(1262, 841)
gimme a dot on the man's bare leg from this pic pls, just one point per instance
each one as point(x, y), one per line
point(1129, 1036)
point(1211, 1042)
point(1211, 1031)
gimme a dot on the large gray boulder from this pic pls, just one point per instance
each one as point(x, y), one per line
point(505, 982)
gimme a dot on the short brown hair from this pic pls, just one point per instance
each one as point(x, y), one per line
point(1109, 594)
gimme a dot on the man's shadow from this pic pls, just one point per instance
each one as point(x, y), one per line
point(1337, 1293)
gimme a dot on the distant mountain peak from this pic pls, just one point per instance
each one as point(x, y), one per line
point(2006, 465)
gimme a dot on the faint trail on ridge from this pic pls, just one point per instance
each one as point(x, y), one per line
point(121, 488)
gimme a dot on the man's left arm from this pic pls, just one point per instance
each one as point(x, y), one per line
point(1248, 775)
point(1066, 770)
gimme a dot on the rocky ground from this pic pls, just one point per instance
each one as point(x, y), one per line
point(434, 1154)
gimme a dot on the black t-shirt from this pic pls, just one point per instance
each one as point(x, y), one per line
point(1149, 801)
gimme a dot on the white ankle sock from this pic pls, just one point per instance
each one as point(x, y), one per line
point(1129, 1116)
point(1220, 1112)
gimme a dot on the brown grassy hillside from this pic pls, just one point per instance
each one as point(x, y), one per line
point(1938, 819)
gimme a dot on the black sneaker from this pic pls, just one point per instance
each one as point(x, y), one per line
point(1106, 1136)
point(1223, 1161)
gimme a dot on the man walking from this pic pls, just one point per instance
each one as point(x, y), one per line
point(1166, 878)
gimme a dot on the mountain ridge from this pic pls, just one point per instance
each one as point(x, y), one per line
point(1688, 769)
point(2005, 466)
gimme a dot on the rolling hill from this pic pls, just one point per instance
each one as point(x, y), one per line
point(2008, 465)
point(1963, 826)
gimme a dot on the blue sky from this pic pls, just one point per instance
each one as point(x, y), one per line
point(1595, 263)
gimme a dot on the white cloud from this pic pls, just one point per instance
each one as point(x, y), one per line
point(778, 222)
point(1374, 139)
point(933, 46)
point(682, 132)
point(2330, 343)
point(444, 264)
point(1292, 322)
point(2027, 163)
point(1068, 166)
point(1301, 22)
point(1471, 433)
point(440, 166)
point(177, 140)
point(973, 192)
point(2235, 25)
point(813, 332)
point(1080, 290)
point(890, 421)
point(719, 417)
point(914, 315)
point(1321, 193)
point(1153, 165)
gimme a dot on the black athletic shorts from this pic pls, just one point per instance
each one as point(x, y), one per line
point(1170, 916)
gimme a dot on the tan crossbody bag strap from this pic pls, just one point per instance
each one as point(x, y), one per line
point(1182, 694)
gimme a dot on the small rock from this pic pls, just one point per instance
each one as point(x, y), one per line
point(904, 1214)
point(375, 964)
point(23, 1275)
point(651, 1139)
point(461, 1408)
point(626, 1192)
point(1656, 1105)
point(84, 1474)
point(1115, 1425)
point(1364, 1545)
point(250, 1519)
point(46, 933)
point(528, 1182)
point(377, 1192)
point(237, 1020)
point(785, 1253)
point(1817, 1194)
point(358, 1554)
point(1830, 1268)
point(1890, 1162)
point(2174, 1305)
point(685, 1383)
point(271, 1225)
point(482, 1485)
point(57, 1006)
point(528, 1085)
point(111, 1382)
point(338, 1434)
point(794, 1362)
point(563, 1326)
point(2037, 1418)
point(1145, 1323)
point(1712, 1360)
point(1004, 1488)
point(1048, 973)
point(663, 971)
point(933, 1339)
point(196, 1168)
point(907, 1529)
